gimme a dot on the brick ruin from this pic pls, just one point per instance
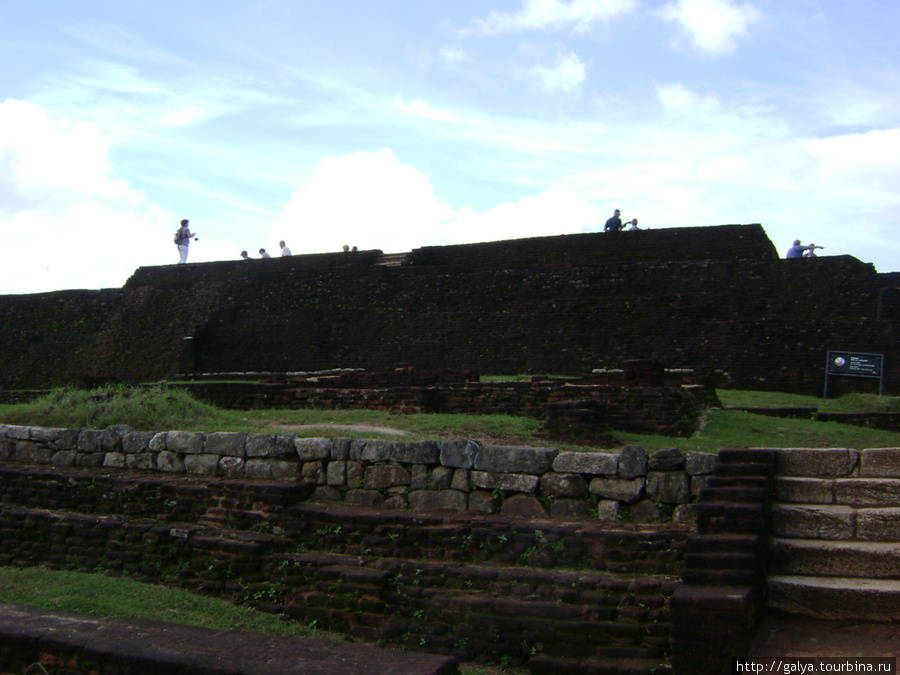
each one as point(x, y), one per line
point(563, 563)
point(714, 299)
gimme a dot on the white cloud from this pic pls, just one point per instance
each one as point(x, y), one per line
point(65, 222)
point(579, 15)
point(425, 111)
point(556, 210)
point(679, 97)
point(870, 160)
point(566, 76)
point(365, 199)
point(713, 26)
point(373, 201)
point(452, 55)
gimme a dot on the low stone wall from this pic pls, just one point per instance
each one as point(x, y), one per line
point(670, 411)
point(474, 586)
point(456, 475)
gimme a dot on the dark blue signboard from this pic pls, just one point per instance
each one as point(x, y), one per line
point(855, 364)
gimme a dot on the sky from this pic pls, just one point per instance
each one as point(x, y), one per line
point(396, 124)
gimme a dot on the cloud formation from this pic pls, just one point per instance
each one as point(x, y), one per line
point(712, 26)
point(566, 76)
point(374, 201)
point(65, 222)
point(578, 15)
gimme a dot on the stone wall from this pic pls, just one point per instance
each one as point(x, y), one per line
point(423, 476)
point(713, 298)
point(669, 411)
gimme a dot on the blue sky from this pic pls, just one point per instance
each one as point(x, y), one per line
point(396, 124)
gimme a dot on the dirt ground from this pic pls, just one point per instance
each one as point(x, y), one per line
point(328, 427)
point(784, 635)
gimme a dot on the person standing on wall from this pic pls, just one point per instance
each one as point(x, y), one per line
point(183, 240)
point(797, 250)
point(614, 224)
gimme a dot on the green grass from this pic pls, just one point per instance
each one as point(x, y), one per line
point(162, 408)
point(99, 595)
point(774, 399)
point(125, 598)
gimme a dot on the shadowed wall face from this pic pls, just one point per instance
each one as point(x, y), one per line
point(717, 299)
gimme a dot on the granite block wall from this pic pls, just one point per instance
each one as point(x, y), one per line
point(422, 476)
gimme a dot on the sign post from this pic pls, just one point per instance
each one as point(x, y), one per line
point(855, 364)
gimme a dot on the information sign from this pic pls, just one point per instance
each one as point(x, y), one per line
point(855, 364)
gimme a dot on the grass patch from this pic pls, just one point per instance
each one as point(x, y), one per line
point(100, 595)
point(143, 408)
point(856, 403)
point(738, 429)
point(161, 408)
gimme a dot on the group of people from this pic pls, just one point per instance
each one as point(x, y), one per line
point(614, 224)
point(285, 251)
point(184, 235)
point(799, 250)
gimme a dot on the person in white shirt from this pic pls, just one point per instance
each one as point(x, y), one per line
point(184, 241)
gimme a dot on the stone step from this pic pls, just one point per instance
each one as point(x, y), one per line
point(835, 521)
point(856, 492)
point(825, 558)
point(391, 260)
point(545, 665)
point(836, 597)
point(739, 482)
point(144, 646)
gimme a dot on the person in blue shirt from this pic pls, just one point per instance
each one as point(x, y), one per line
point(797, 250)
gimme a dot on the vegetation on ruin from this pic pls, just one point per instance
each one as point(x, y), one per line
point(100, 595)
point(161, 408)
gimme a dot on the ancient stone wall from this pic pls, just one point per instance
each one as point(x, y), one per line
point(668, 411)
point(717, 299)
point(455, 475)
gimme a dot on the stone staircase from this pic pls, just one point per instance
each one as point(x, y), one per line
point(835, 549)
point(391, 260)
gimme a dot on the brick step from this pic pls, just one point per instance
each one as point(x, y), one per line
point(835, 521)
point(724, 543)
point(725, 518)
point(545, 665)
point(734, 494)
point(764, 482)
point(856, 492)
point(748, 455)
point(144, 646)
point(836, 597)
point(829, 558)
point(722, 577)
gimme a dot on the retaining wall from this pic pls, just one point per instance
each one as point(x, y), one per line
point(456, 475)
point(668, 411)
